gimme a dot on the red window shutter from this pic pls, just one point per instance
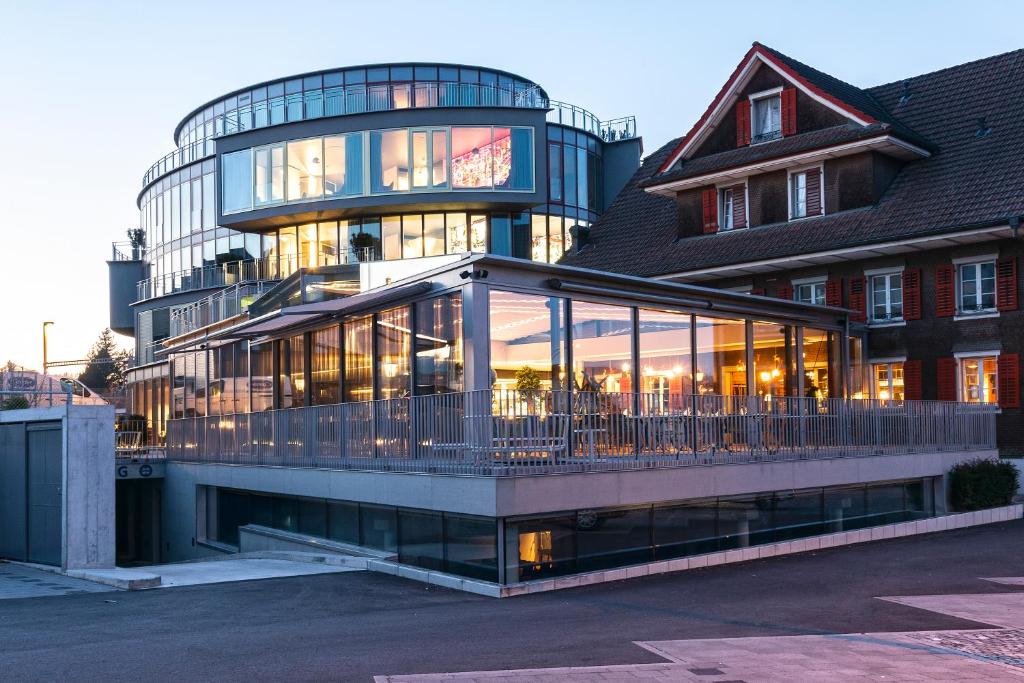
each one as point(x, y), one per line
point(742, 123)
point(857, 299)
point(789, 111)
point(757, 291)
point(1008, 370)
point(785, 292)
point(834, 292)
point(912, 294)
point(710, 201)
point(946, 377)
point(945, 291)
point(1006, 284)
point(912, 380)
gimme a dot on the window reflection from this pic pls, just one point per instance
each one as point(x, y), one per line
point(457, 235)
point(291, 382)
point(305, 170)
point(325, 371)
point(433, 234)
point(817, 363)
point(472, 154)
point(393, 350)
point(720, 359)
point(412, 236)
point(773, 359)
point(478, 233)
point(439, 364)
point(527, 335)
point(358, 369)
point(269, 177)
point(666, 364)
point(602, 339)
point(389, 160)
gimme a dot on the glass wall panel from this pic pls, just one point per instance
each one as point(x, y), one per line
point(569, 173)
point(412, 236)
point(305, 170)
point(478, 233)
point(539, 237)
point(798, 514)
point(270, 175)
point(439, 360)
point(818, 363)
point(393, 353)
point(288, 249)
point(472, 155)
point(391, 230)
point(527, 340)
point(556, 243)
point(845, 508)
point(236, 172)
point(471, 546)
point(541, 548)
point(554, 172)
point(433, 234)
point(666, 359)
point(325, 359)
point(343, 522)
point(358, 383)
point(720, 359)
point(343, 165)
point(582, 196)
point(389, 160)
point(602, 347)
point(421, 538)
point(686, 529)
point(457, 233)
point(312, 517)
point(612, 538)
point(439, 158)
point(772, 359)
point(262, 383)
point(744, 521)
point(327, 239)
point(378, 527)
point(291, 384)
point(420, 160)
point(520, 177)
point(501, 234)
point(307, 250)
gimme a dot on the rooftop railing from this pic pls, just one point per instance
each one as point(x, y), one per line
point(362, 99)
point(497, 433)
point(126, 251)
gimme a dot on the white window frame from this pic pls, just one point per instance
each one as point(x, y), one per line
point(723, 204)
point(753, 99)
point(958, 264)
point(870, 276)
point(888, 362)
point(813, 282)
point(961, 385)
point(807, 170)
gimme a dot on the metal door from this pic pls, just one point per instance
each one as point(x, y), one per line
point(44, 495)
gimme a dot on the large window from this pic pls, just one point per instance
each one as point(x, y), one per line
point(766, 118)
point(602, 340)
point(393, 351)
point(358, 369)
point(887, 297)
point(400, 160)
point(977, 287)
point(720, 358)
point(666, 362)
point(978, 380)
point(325, 358)
point(527, 335)
point(773, 359)
point(439, 362)
point(291, 383)
point(887, 380)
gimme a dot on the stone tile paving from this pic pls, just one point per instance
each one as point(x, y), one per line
point(1005, 646)
point(19, 581)
point(998, 609)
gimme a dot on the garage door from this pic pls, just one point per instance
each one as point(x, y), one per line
point(30, 492)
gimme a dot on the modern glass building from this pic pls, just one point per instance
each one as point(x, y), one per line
point(381, 162)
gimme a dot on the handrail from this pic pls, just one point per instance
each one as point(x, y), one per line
point(220, 306)
point(362, 99)
point(496, 433)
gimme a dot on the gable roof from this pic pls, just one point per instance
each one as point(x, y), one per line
point(848, 100)
point(970, 181)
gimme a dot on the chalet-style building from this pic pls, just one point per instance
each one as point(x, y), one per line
point(902, 202)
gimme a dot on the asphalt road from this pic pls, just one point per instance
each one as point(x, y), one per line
point(353, 626)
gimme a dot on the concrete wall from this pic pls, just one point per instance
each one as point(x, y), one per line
point(87, 481)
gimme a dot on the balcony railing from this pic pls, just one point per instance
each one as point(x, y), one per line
point(126, 251)
point(506, 433)
point(182, 156)
point(221, 306)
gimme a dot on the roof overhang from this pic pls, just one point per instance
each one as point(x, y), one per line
point(756, 56)
point(855, 253)
point(887, 144)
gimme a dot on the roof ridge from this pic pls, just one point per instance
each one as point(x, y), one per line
point(973, 62)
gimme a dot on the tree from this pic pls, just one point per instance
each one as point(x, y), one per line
point(106, 365)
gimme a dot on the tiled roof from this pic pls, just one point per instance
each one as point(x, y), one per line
point(968, 181)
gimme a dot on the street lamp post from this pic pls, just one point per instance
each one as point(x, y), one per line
point(46, 369)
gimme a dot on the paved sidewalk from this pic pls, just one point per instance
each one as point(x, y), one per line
point(19, 581)
point(995, 654)
point(220, 571)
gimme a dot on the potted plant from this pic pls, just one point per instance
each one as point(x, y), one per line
point(137, 239)
point(528, 386)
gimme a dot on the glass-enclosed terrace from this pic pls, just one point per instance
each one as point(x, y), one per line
point(490, 365)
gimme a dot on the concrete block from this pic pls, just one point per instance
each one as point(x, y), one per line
point(876, 533)
point(733, 556)
point(444, 580)
point(406, 572)
point(714, 559)
point(748, 554)
point(698, 561)
point(382, 566)
point(124, 579)
point(567, 582)
point(615, 574)
point(764, 551)
point(637, 571)
point(540, 586)
point(679, 564)
point(490, 590)
point(591, 578)
point(513, 591)
point(657, 567)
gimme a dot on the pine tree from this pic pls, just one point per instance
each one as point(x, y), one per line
point(107, 364)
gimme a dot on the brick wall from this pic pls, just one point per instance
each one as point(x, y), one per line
point(767, 197)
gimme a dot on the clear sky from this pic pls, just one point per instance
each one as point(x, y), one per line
point(90, 93)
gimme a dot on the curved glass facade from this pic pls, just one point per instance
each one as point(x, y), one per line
point(379, 162)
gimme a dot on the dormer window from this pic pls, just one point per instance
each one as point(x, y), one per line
point(766, 117)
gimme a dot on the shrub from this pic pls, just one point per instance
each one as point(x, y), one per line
point(14, 403)
point(981, 484)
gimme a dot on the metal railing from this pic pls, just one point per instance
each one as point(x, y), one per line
point(182, 156)
point(497, 433)
point(220, 306)
point(42, 396)
point(136, 438)
point(236, 272)
point(126, 251)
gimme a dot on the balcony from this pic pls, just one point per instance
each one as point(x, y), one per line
point(502, 433)
point(225, 304)
point(182, 156)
